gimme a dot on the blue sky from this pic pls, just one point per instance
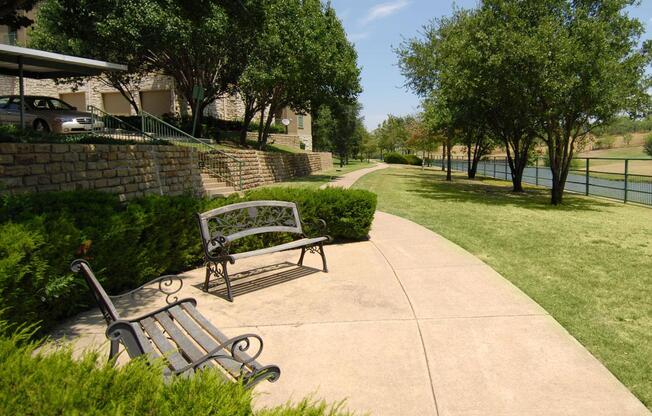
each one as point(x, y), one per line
point(375, 26)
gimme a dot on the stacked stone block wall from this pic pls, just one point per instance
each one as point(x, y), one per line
point(126, 170)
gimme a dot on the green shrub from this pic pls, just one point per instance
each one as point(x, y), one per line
point(13, 134)
point(53, 383)
point(605, 142)
point(647, 147)
point(395, 158)
point(129, 244)
point(413, 160)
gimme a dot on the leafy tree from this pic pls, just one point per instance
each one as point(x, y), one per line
point(12, 13)
point(392, 134)
point(88, 32)
point(586, 69)
point(301, 59)
point(466, 61)
point(369, 146)
point(198, 42)
point(323, 128)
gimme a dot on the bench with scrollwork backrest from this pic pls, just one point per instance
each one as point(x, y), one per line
point(179, 335)
point(222, 226)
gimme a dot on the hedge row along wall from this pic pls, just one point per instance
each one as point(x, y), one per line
point(132, 171)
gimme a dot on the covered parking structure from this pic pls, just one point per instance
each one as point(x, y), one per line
point(33, 63)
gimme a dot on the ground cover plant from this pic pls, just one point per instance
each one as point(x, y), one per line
point(586, 262)
point(54, 383)
point(130, 244)
point(13, 134)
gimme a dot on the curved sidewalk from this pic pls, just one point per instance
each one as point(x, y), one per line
point(347, 180)
point(406, 323)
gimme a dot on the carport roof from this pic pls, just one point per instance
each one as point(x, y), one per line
point(44, 65)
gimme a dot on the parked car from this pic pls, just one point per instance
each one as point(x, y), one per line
point(47, 114)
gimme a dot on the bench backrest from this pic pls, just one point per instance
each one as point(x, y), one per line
point(103, 300)
point(228, 223)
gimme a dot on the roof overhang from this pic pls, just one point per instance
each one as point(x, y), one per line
point(47, 65)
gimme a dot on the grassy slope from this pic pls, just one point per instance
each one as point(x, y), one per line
point(588, 263)
point(318, 179)
point(621, 152)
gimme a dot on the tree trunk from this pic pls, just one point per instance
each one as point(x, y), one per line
point(449, 174)
point(260, 126)
point(517, 163)
point(443, 156)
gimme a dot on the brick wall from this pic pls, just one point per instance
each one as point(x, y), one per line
point(265, 168)
point(136, 170)
point(127, 170)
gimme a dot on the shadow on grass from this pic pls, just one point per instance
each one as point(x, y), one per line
point(488, 191)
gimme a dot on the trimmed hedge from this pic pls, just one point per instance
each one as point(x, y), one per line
point(13, 134)
point(397, 158)
point(55, 383)
point(129, 244)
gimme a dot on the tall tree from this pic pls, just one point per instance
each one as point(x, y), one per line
point(301, 59)
point(468, 63)
point(198, 43)
point(13, 13)
point(587, 68)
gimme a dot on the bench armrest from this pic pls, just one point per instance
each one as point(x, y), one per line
point(231, 349)
point(169, 285)
point(320, 225)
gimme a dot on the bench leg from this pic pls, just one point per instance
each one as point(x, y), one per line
point(227, 280)
point(323, 257)
point(213, 268)
point(303, 253)
point(115, 346)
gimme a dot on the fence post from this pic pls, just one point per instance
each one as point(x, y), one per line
point(588, 176)
point(626, 177)
point(142, 122)
point(484, 165)
point(494, 167)
point(536, 171)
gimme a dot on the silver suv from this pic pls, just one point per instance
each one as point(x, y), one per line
point(47, 114)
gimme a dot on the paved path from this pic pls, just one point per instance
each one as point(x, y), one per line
point(406, 323)
point(347, 180)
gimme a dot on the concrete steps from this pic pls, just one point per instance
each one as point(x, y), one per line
point(215, 188)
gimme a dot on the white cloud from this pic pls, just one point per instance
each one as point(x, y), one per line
point(383, 10)
point(358, 36)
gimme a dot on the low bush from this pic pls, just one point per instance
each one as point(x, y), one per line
point(605, 142)
point(213, 127)
point(129, 244)
point(54, 383)
point(413, 160)
point(395, 158)
point(647, 147)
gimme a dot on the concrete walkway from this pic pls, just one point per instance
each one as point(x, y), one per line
point(406, 323)
point(347, 180)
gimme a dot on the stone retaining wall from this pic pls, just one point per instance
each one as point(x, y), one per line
point(264, 168)
point(136, 170)
point(282, 139)
point(127, 170)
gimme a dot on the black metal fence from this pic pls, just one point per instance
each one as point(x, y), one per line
point(627, 180)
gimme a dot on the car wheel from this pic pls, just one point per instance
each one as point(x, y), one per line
point(42, 126)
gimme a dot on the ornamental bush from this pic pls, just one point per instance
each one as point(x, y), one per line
point(129, 244)
point(647, 147)
point(54, 383)
point(395, 158)
point(413, 160)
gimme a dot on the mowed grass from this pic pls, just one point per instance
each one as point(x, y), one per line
point(588, 262)
point(323, 177)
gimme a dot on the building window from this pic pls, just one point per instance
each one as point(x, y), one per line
point(156, 102)
point(116, 104)
point(300, 121)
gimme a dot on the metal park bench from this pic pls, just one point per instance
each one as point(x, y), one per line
point(222, 226)
point(179, 334)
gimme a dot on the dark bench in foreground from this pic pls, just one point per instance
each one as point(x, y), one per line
point(222, 226)
point(179, 334)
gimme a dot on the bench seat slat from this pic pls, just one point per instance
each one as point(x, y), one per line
point(287, 246)
point(170, 352)
point(218, 335)
point(145, 342)
point(203, 338)
point(185, 344)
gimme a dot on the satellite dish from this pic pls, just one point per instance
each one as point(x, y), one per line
point(285, 122)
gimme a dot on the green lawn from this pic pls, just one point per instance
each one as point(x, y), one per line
point(588, 262)
point(318, 179)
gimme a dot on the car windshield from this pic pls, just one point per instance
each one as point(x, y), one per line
point(47, 103)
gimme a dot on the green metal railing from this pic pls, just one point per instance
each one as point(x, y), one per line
point(212, 161)
point(112, 127)
point(626, 180)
